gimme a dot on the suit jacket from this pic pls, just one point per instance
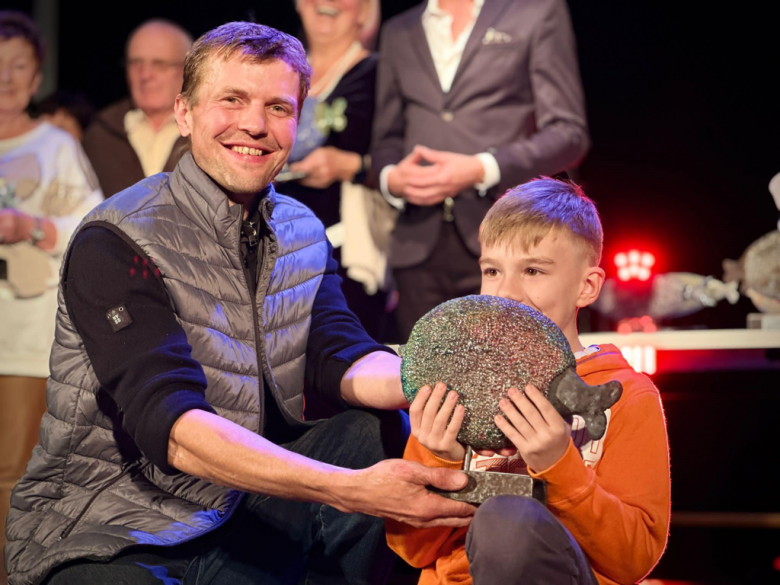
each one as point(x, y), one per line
point(516, 94)
point(116, 164)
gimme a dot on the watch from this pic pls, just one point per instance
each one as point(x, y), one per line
point(36, 233)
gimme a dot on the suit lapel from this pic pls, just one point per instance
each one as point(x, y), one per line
point(488, 16)
point(420, 44)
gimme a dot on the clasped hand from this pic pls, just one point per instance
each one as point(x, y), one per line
point(529, 421)
point(446, 175)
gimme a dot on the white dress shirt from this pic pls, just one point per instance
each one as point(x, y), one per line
point(447, 53)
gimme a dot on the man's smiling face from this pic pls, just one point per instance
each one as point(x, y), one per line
point(242, 122)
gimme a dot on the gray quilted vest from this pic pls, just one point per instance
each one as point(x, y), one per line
point(85, 493)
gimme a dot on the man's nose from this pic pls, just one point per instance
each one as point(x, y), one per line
point(147, 70)
point(253, 121)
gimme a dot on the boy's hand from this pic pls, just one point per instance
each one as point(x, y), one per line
point(535, 427)
point(430, 423)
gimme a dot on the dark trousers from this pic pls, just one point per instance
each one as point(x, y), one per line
point(514, 539)
point(270, 540)
point(451, 271)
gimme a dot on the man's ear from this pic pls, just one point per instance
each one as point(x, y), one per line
point(593, 280)
point(183, 113)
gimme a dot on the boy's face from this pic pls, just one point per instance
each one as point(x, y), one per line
point(553, 277)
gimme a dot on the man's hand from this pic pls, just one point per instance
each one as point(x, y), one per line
point(448, 174)
point(396, 489)
point(535, 427)
point(405, 171)
point(431, 424)
point(206, 445)
point(327, 165)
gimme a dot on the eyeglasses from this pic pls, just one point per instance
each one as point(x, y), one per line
point(157, 65)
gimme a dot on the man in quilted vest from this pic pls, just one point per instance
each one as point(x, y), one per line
point(197, 312)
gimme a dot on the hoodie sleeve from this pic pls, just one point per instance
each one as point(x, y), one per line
point(618, 511)
point(422, 547)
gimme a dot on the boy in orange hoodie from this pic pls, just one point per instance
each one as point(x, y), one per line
point(608, 501)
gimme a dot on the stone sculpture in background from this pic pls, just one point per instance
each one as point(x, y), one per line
point(758, 270)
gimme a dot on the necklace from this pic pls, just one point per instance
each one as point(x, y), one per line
point(328, 82)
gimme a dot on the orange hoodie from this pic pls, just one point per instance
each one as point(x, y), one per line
point(613, 494)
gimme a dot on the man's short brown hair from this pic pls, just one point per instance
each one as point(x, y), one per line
point(528, 212)
point(256, 42)
point(15, 24)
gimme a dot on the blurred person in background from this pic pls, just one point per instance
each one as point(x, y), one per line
point(137, 137)
point(46, 187)
point(71, 112)
point(329, 163)
point(473, 97)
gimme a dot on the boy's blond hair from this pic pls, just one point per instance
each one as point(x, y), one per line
point(527, 213)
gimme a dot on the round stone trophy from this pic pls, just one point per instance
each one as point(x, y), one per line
point(481, 346)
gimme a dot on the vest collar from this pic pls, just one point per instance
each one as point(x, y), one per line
point(205, 203)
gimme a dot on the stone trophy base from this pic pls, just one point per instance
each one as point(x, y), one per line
point(486, 484)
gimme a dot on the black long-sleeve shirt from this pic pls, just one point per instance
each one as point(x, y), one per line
point(146, 366)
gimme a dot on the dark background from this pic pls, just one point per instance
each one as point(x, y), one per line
point(682, 115)
point(685, 140)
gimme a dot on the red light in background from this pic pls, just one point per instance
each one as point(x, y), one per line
point(634, 264)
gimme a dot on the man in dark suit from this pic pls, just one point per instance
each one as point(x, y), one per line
point(473, 97)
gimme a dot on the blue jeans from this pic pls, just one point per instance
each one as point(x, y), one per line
point(270, 540)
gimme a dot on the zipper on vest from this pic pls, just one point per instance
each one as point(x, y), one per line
point(127, 469)
point(264, 281)
point(253, 288)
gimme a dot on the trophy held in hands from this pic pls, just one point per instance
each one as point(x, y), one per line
point(481, 346)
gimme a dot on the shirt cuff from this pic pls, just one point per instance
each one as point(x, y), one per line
point(415, 451)
point(154, 428)
point(343, 361)
point(568, 480)
point(492, 176)
point(396, 202)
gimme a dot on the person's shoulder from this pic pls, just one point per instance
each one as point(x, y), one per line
point(116, 110)
point(135, 199)
point(55, 137)
point(60, 148)
point(111, 118)
point(366, 66)
point(609, 364)
point(539, 10)
point(405, 19)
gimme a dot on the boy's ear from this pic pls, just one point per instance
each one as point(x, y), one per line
point(591, 286)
